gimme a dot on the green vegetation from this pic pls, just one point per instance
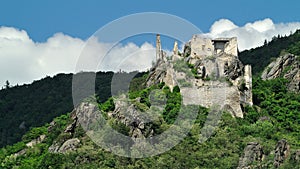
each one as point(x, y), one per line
point(187, 68)
point(173, 104)
point(38, 154)
point(221, 150)
point(275, 100)
point(181, 66)
point(23, 107)
point(294, 48)
point(212, 57)
point(184, 83)
point(193, 70)
point(260, 57)
point(225, 79)
point(27, 106)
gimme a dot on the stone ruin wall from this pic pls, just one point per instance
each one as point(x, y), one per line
point(206, 94)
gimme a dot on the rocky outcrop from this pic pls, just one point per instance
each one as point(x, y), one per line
point(129, 114)
point(30, 144)
point(67, 146)
point(295, 157)
point(213, 72)
point(187, 49)
point(162, 71)
point(87, 115)
point(282, 151)
point(157, 73)
point(51, 126)
point(233, 69)
point(253, 153)
point(71, 127)
point(36, 141)
point(66, 143)
point(254, 157)
point(286, 66)
point(175, 48)
point(54, 147)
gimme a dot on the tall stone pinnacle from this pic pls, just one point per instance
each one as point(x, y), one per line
point(158, 48)
point(175, 48)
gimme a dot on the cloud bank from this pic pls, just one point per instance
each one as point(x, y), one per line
point(22, 60)
point(254, 34)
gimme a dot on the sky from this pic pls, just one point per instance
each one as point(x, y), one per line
point(40, 38)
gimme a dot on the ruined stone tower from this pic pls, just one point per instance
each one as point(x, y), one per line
point(158, 48)
point(175, 48)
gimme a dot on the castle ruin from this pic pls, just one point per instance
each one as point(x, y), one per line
point(219, 76)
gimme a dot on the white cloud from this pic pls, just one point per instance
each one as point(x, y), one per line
point(22, 60)
point(222, 25)
point(132, 57)
point(253, 34)
point(261, 26)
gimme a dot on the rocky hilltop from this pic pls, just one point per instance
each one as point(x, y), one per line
point(286, 66)
point(208, 73)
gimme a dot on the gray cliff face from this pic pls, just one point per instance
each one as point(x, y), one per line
point(67, 146)
point(254, 156)
point(296, 156)
point(286, 66)
point(83, 115)
point(208, 73)
point(252, 153)
point(282, 152)
point(130, 115)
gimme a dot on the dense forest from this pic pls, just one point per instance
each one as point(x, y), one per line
point(26, 106)
point(222, 150)
point(260, 57)
point(22, 107)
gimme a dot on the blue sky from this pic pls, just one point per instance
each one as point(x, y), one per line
point(40, 38)
point(41, 19)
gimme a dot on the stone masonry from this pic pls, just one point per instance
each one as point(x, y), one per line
point(219, 76)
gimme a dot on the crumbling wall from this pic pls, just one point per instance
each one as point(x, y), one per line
point(201, 47)
point(248, 84)
point(231, 47)
point(217, 79)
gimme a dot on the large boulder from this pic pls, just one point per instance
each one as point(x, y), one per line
point(69, 145)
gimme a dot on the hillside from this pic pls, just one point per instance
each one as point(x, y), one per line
point(33, 105)
point(265, 135)
point(260, 57)
point(263, 128)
